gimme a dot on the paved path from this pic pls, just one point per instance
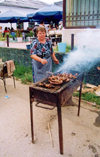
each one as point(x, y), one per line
point(19, 45)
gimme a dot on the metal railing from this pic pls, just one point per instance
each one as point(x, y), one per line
point(82, 13)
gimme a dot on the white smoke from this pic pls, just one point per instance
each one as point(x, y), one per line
point(86, 55)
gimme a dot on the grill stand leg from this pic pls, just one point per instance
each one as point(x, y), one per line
point(31, 115)
point(80, 92)
point(60, 128)
point(31, 118)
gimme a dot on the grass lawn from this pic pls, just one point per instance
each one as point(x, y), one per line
point(91, 97)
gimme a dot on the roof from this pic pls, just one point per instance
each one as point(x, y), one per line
point(34, 4)
point(60, 3)
point(47, 14)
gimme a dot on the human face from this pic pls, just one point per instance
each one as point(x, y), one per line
point(41, 35)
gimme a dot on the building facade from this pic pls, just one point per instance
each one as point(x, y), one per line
point(79, 15)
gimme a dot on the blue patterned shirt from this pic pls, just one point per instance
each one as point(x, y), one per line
point(42, 50)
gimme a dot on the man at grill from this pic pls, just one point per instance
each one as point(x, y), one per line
point(42, 55)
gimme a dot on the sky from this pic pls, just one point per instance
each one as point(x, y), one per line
point(50, 1)
point(46, 1)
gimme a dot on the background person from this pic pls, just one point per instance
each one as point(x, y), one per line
point(42, 55)
point(34, 30)
point(6, 32)
point(41, 24)
point(12, 32)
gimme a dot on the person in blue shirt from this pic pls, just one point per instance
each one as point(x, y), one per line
point(42, 55)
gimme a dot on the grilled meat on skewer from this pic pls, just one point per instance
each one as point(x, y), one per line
point(60, 78)
point(57, 80)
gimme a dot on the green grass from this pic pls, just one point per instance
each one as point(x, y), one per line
point(23, 73)
point(91, 97)
point(2, 38)
point(68, 48)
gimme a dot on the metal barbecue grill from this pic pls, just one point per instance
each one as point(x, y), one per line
point(60, 94)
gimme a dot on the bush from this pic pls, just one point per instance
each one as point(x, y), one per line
point(2, 38)
point(30, 34)
point(23, 73)
point(93, 76)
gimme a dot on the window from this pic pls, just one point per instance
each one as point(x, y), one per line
point(81, 13)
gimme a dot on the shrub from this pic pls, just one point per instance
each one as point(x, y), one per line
point(24, 73)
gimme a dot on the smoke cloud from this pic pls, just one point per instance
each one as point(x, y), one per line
point(86, 55)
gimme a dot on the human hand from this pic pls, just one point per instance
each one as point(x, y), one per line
point(44, 61)
point(98, 68)
point(56, 61)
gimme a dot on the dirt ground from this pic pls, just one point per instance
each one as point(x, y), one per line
point(81, 134)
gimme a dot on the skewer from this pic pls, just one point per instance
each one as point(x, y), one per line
point(48, 72)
